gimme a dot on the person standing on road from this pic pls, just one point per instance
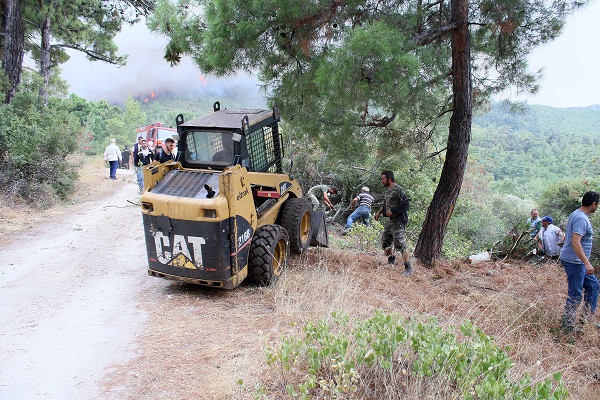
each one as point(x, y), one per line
point(395, 208)
point(141, 158)
point(581, 281)
point(320, 192)
point(125, 156)
point(167, 153)
point(364, 201)
point(112, 154)
point(135, 149)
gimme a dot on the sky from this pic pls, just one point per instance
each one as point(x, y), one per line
point(570, 69)
point(146, 73)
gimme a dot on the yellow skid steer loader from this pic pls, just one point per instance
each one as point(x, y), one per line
point(225, 211)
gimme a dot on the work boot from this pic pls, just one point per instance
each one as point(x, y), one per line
point(345, 231)
point(392, 259)
point(408, 268)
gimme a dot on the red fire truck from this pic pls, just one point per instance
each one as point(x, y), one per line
point(157, 133)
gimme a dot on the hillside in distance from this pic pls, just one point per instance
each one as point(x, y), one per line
point(526, 151)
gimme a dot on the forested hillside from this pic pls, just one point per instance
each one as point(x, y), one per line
point(529, 149)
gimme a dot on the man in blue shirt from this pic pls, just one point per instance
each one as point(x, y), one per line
point(535, 223)
point(574, 257)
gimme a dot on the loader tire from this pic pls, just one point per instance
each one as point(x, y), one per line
point(297, 218)
point(269, 253)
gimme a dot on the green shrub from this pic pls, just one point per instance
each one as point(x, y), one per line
point(37, 139)
point(383, 356)
point(366, 238)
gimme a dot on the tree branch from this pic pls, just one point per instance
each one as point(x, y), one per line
point(379, 123)
point(437, 152)
point(90, 53)
point(428, 37)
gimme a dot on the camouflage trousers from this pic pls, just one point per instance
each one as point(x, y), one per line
point(314, 201)
point(393, 233)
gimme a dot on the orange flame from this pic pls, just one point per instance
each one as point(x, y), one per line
point(146, 100)
point(152, 94)
point(202, 79)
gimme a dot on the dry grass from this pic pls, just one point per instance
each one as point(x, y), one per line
point(93, 184)
point(200, 341)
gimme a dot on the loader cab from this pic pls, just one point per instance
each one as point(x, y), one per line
point(248, 137)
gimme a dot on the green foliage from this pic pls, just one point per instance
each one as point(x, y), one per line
point(527, 150)
point(366, 238)
point(561, 199)
point(4, 83)
point(342, 359)
point(37, 141)
point(355, 72)
point(122, 127)
point(482, 217)
point(88, 26)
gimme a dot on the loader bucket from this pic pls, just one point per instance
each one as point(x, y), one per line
point(319, 235)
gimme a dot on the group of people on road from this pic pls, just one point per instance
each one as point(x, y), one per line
point(141, 154)
point(395, 209)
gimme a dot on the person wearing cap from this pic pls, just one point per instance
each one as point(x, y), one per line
point(112, 154)
point(550, 237)
point(363, 211)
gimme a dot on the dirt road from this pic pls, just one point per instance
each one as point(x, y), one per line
point(70, 303)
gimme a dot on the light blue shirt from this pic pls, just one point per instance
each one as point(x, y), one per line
point(534, 226)
point(580, 224)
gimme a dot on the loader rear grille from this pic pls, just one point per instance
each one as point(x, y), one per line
point(264, 147)
point(186, 183)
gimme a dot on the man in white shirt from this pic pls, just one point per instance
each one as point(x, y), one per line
point(112, 154)
point(363, 212)
point(550, 237)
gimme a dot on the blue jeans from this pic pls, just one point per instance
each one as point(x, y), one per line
point(361, 212)
point(140, 177)
point(581, 285)
point(113, 169)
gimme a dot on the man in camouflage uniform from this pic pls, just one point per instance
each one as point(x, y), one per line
point(395, 207)
point(320, 192)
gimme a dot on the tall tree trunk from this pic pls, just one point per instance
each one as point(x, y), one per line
point(45, 59)
point(429, 245)
point(14, 46)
